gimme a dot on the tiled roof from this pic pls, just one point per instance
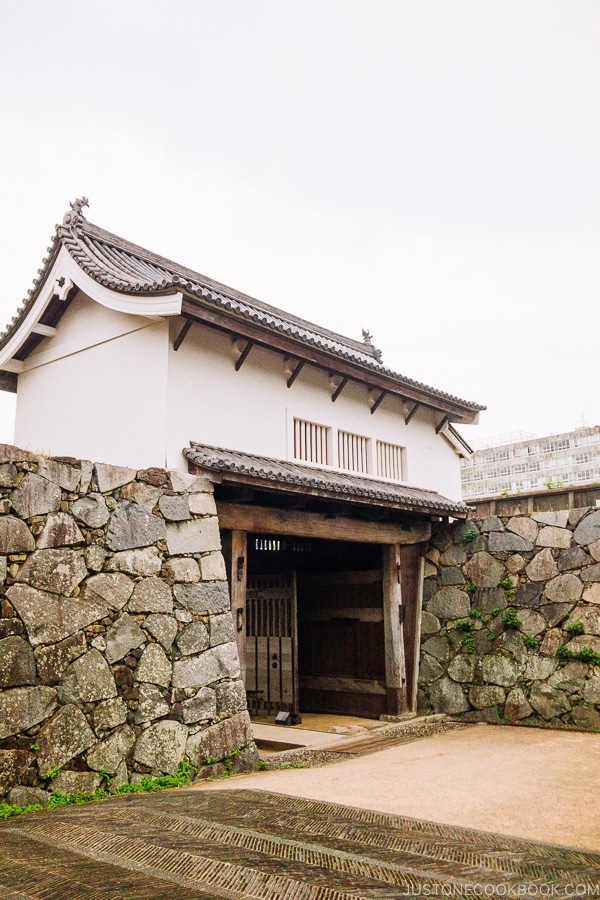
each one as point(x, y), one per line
point(126, 268)
point(277, 474)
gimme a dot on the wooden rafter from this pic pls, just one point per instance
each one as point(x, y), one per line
point(339, 389)
point(181, 336)
point(297, 369)
point(444, 421)
point(377, 403)
point(244, 355)
point(411, 413)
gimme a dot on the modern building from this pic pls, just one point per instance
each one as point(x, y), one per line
point(521, 463)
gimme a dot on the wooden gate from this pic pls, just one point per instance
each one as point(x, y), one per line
point(271, 644)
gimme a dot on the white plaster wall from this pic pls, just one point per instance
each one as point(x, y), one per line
point(97, 390)
point(253, 410)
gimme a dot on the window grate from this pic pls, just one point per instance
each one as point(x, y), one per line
point(391, 461)
point(311, 442)
point(353, 452)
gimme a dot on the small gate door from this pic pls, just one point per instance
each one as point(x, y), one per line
point(271, 644)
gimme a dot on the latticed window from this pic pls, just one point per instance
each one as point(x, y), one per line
point(391, 461)
point(353, 452)
point(311, 442)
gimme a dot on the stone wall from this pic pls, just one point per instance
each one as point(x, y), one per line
point(117, 651)
point(511, 621)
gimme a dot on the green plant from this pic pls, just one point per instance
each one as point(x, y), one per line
point(34, 747)
point(52, 774)
point(476, 614)
point(491, 634)
point(472, 588)
point(469, 536)
point(495, 611)
point(506, 584)
point(464, 626)
point(210, 760)
point(553, 484)
point(510, 618)
point(575, 628)
point(586, 654)
point(228, 762)
point(530, 642)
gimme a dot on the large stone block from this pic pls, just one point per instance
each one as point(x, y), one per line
point(462, 667)
point(144, 494)
point(218, 741)
point(558, 519)
point(137, 562)
point(57, 571)
point(517, 706)
point(564, 589)
point(151, 704)
point(213, 567)
point(183, 568)
point(17, 663)
point(591, 594)
point(548, 701)
point(486, 695)
point(35, 497)
point(550, 536)
point(109, 714)
point(221, 629)
point(204, 598)
point(92, 510)
point(68, 782)
point(212, 665)
point(131, 527)
point(15, 536)
point(23, 707)
point(448, 697)
point(588, 530)
point(231, 698)
point(193, 639)
point(65, 736)
point(60, 530)
point(484, 570)
point(202, 504)
point(68, 477)
point(13, 765)
point(174, 507)
point(498, 669)
point(53, 660)
point(151, 595)
point(524, 527)
point(163, 628)
point(48, 618)
point(22, 795)
point(154, 667)
point(507, 542)
point(113, 589)
point(201, 708)
point(194, 536)
point(109, 754)
point(449, 603)
point(588, 616)
point(111, 477)
point(9, 475)
point(88, 679)
point(162, 746)
point(125, 635)
point(542, 567)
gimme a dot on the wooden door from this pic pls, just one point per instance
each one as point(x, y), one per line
point(271, 644)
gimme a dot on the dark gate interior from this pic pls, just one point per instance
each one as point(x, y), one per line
point(340, 635)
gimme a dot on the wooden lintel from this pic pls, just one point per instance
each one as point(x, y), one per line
point(244, 355)
point(267, 520)
point(298, 368)
point(44, 330)
point(339, 683)
point(377, 403)
point(235, 553)
point(443, 422)
point(411, 413)
point(339, 389)
point(181, 336)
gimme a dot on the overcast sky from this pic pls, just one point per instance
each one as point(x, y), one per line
point(426, 169)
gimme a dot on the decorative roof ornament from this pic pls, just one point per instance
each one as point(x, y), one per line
point(72, 217)
point(368, 340)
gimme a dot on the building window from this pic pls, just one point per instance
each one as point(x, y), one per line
point(312, 442)
point(391, 461)
point(353, 452)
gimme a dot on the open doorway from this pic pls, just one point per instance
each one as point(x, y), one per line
point(314, 626)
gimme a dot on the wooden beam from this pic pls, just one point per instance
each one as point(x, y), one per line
point(290, 346)
point(411, 413)
point(181, 336)
point(443, 422)
point(267, 520)
point(300, 365)
point(377, 403)
point(13, 365)
point(244, 355)
point(339, 389)
point(235, 551)
point(8, 382)
point(393, 629)
point(339, 683)
point(43, 330)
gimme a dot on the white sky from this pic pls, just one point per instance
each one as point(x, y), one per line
point(425, 169)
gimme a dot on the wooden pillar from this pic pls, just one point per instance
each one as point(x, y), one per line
point(236, 557)
point(393, 619)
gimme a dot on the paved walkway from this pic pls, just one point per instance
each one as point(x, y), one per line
point(264, 836)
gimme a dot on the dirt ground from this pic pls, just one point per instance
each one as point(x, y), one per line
point(528, 783)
